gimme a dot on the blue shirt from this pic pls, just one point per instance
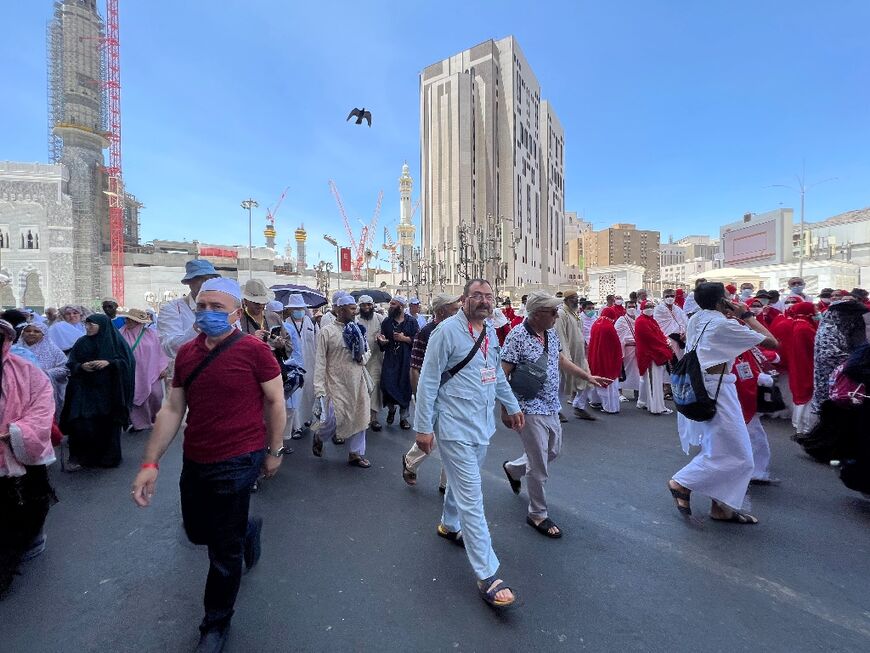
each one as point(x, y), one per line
point(463, 408)
point(521, 346)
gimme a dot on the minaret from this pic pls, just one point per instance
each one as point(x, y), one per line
point(270, 233)
point(301, 236)
point(406, 228)
point(77, 116)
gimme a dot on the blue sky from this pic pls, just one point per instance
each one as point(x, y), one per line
point(677, 113)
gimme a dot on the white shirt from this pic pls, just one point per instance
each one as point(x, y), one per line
point(722, 341)
point(625, 330)
point(671, 318)
point(175, 324)
point(690, 305)
point(327, 319)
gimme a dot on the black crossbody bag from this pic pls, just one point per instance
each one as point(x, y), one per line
point(446, 375)
point(208, 360)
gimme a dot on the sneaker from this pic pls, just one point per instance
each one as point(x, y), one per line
point(622, 398)
point(375, 425)
point(391, 416)
point(581, 413)
point(562, 418)
point(252, 542)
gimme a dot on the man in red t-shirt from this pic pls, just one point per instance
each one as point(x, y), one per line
point(230, 386)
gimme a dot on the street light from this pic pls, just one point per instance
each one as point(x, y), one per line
point(250, 204)
point(802, 188)
point(332, 241)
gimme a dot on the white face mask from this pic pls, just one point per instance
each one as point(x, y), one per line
point(755, 309)
point(669, 300)
point(619, 302)
point(825, 300)
point(631, 312)
point(648, 311)
point(764, 302)
point(746, 293)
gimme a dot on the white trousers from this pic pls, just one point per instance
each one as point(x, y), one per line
point(760, 449)
point(652, 392)
point(582, 398)
point(803, 419)
point(629, 362)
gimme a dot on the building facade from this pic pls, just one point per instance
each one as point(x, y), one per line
point(482, 151)
point(574, 259)
point(36, 236)
point(624, 244)
point(758, 239)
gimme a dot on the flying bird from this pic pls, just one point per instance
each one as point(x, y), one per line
point(360, 115)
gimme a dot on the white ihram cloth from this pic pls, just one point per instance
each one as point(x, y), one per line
point(671, 319)
point(651, 393)
point(625, 330)
point(760, 449)
point(724, 467)
point(175, 322)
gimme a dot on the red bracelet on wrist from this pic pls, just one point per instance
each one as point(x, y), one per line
point(150, 466)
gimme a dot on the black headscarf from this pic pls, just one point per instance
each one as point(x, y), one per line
point(857, 365)
point(102, 393)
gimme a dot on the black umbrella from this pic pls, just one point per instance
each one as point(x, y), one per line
point(311, 297)
point(378, 296)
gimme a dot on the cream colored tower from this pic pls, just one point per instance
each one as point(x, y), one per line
point(406, 228)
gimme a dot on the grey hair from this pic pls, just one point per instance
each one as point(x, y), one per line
point(471, 282)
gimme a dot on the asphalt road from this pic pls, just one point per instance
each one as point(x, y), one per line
point(351, 561)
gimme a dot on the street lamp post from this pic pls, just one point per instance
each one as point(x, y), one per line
point(802, 188)
point(250, 204)
point(332, 241)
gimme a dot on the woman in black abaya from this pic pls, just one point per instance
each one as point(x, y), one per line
point(99, 395)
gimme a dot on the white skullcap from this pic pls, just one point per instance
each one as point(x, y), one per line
point(337, 294)
point(400, 299)
point(414, 300)
point(344, 300)
point(224, 285)
point(365, 299)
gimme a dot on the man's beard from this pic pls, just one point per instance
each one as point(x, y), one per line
point(366, 314)
point(395, 312)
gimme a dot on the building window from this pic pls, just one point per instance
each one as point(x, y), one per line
point(5, 242)
point(29, 238)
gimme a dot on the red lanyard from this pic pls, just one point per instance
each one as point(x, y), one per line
point(483, 347)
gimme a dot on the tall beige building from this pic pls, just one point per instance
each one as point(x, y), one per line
point(623, 243)
point(492, 161)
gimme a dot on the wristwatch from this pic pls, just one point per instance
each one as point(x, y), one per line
point(283, 451)
point(747, 315)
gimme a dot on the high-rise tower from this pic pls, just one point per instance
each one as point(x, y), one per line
point(77, 122)
point(406, 228)
point(301, 236)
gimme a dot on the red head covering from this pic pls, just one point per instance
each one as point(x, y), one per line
point(731, 289)
point(650, 343)
point(646, 303)
point(605, 349)
point(801, 342)
point(680, 297)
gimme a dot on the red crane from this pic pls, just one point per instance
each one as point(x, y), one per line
point(112, 85)
point(358, 247)
point(271, 213)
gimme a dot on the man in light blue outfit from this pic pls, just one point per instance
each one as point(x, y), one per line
point(461, 409)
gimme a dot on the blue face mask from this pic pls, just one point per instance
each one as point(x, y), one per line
point(298, 314)
point(590, 313)
point(213, 323)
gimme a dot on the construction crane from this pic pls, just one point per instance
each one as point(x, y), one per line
point(270, 213)
point(112, 86)
point(391, 246)
point(358, 246)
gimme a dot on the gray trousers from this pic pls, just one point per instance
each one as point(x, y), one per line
point(542, 442)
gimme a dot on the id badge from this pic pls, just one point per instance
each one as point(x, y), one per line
point(487, 375)
point(744, 371)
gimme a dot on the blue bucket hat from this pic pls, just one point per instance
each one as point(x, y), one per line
point(198, 268)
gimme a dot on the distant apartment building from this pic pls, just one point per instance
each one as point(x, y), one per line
point(575, 263)
point(843, 237)
point(492, 153)
point(623, 243)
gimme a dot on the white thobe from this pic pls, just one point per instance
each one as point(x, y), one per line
point(671, 319)
point(376, 361)
point(724, 466)
point(175, 322)
point(625, 330)
point(327, 319)
point(307, 331)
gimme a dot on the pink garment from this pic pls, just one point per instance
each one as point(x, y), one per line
point(27, 406)
point(142, 416)
point(151, 361)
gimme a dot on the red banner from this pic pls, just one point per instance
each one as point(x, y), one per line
point(345, 259)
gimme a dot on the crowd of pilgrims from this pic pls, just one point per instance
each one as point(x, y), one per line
point(83, 378)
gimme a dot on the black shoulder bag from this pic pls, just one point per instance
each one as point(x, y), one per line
point(528, 378)
point(208, 360)
point(446, 375)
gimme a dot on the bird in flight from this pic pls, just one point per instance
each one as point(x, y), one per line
point(360, 115)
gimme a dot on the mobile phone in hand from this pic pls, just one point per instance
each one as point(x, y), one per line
point(275, 331)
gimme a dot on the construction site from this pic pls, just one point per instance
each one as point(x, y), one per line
point(70, 228)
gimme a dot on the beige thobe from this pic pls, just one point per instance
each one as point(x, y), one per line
point(340, 378)
point(570, 330)
point(376, 361)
